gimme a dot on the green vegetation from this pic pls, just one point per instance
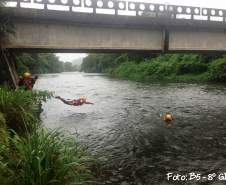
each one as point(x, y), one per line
point(32, 155)
point(44, 157)
point(167, 67)
point(36, 63)
point(42, 63)
point(6, 25)
point(20, 108)
point(98, 63)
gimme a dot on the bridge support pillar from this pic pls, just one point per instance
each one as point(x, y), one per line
point(165, 40)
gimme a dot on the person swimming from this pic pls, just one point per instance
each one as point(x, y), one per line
point(74, 102)
point(168, 118)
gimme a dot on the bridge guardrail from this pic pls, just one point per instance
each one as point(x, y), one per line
point(132, 8)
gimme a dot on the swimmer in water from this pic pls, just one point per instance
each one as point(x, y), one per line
point(75, 102)
point(168, 118)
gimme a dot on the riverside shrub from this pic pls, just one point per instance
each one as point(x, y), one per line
point(44, 157)
point(37, 156)
point(217, 70)
point(150, 67)
point(20, 108)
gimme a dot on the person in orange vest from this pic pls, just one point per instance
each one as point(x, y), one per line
point(74, 102)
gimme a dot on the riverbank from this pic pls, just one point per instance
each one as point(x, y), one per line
point(146, 72)
point(32, 154)
point(168, 67)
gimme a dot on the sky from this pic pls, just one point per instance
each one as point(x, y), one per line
point(202, 3)
point(69, 57)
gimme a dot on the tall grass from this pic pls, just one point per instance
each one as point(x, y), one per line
point(37, 156)
point(44, 158)
point(21, 108)
point(4, 135)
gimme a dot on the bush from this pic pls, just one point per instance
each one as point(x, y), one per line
point(170, 67)
point(44, 157)
point(193, 67)
point(125, 69)
point(21, 108)
point(217, 70)
point(176, 67)
point(38, 157)
point(4, 135)
point(6, 26)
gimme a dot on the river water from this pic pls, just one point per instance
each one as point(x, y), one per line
point(124, 130)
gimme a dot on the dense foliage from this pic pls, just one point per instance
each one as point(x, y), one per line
point(36, 156)
point(6, 25)
point(36, 64)
point(172, 67)
point(42, 63)
point(21, 108)
point(44, 157)
point(100, 63)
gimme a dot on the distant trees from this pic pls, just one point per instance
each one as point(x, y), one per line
point(68, 66)
point(144, 67)
point(217, 70)
point(42, 63)
point(98, 62)
point(6, 25)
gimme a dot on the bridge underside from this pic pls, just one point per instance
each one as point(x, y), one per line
point(106, 34)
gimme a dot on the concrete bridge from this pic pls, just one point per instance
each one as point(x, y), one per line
point(114, 26)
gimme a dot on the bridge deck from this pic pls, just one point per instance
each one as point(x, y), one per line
point(51, 30)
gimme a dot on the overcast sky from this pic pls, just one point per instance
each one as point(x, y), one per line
point(69, 57)
point(203, 3)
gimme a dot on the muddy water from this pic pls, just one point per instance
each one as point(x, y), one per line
point(124, 130)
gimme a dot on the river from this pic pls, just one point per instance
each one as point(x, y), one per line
point(124, 130)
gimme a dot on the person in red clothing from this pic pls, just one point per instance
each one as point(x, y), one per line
point(27, 81)
point(74, 102)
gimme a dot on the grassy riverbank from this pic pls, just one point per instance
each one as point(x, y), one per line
point(168, 67)
point(33, 155)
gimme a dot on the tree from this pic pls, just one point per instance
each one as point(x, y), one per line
point(39, 63)
point(68, 66)
point(6, 26)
